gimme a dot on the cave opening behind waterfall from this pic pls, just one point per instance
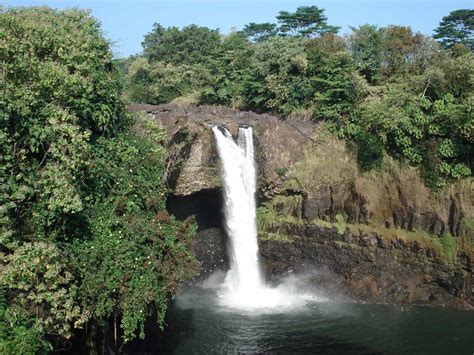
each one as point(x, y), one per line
point(210, 244)
point(206, 206)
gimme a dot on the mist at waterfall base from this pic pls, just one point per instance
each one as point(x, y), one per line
point(238, 312)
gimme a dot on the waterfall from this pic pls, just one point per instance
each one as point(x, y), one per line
point(243, 286)
point(238, 174)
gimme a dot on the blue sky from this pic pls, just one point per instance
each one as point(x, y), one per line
point(125, 22)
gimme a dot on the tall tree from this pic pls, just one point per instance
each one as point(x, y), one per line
point(258, 32)
point(365, 44)
point(277, 76)
point(457, 28)
point(192, 44)
point(306, 21)
point(400, 49)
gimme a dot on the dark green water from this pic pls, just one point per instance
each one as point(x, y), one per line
point(199, 325)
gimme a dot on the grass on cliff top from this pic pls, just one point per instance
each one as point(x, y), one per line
point(274, 236)
point(446, 246)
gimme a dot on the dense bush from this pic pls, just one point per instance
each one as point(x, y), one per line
point(426, 119)
point(58, 89)
point(84, 235)
point(160, 82)
point(135, 253)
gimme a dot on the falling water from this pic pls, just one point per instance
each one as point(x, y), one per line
point(238, 172)
point(243, 286)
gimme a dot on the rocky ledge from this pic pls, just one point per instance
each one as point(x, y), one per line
point(192, 156)
point(370, 267)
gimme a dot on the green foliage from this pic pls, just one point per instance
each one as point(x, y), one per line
point(84, 235)
point(457, 28)
point(420, 120)
point(258, 32)
point(17, 333)
point(276, 77)
point(341, 224)
point(370, 149)
point(190, 45)
point(306, 21)
point(58, 88)
point(448, 246)
point(227, 86)
point(366, 46)
point(387, 89)
point(281, 171)
point(405, 52)
point(335, 87)
point(136, 253)
point(160, 82)
point(40, 280)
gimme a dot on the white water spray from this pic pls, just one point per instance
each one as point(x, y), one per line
point(243, 286)
point(238, 173)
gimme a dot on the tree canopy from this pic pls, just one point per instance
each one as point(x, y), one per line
point(306, 21)
point(190, 45)
point(381, 87)
point(260, 31)
point(457, 28)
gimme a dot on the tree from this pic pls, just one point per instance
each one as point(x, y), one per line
point(276, 77)
point(227, 86)
point(190, 45)
point(426, 120)
point(306, 21)
point(457, 28)
point(83, 232)
point(401, 49)
point(365, 45)
point(59, 88)
point(136, 253)
point(335, 87)
point(258, 32)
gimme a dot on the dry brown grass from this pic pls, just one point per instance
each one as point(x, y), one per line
point(394, 188)
point(326, 162)
point(191, 99)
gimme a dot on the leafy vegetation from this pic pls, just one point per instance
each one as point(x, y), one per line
point(457, 28)
point(341, 224)
point(84, 238)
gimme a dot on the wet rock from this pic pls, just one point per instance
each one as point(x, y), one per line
point(318, 204)
point(210, 249)
point(366, 269)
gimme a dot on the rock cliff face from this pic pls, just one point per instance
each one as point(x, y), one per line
point(307, 175)
point(192, 159)
point(367, 266)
